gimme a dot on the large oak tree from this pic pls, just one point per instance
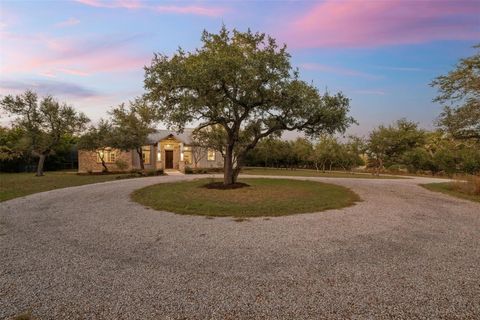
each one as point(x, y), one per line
point(241, 83)
point(43, 122)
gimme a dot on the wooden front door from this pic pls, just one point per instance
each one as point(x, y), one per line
point(168, 159)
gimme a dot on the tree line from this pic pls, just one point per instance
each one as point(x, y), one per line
point(401, 146)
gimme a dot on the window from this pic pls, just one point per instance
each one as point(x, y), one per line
point(146, 155)
point(211, 155)
point(109, 156)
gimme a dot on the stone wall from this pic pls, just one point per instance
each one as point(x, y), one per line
point(87, 161)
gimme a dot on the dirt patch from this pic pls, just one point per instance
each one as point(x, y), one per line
point(221, 186)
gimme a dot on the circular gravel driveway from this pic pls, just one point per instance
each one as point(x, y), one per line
point(88, 252)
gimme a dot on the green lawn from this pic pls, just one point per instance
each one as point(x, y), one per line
point(447, 188)
point(313, 173)
point(13, 185)
point(264, 197)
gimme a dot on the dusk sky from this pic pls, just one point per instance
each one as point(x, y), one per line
point(381, 54)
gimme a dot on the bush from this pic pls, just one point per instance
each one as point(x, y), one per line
point(153, 172)
point(121, 165)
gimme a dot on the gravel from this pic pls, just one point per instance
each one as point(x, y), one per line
point(88, 252)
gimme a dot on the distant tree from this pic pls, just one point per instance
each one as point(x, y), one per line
point(244, 83)
point(386, 145)
point(43, 123)
point(324, 152)
point(302, 149)
point(132, 125)
point(350, 152)
point(98, 139)
point(10, 143)
point(418, 159)
point(459, 92)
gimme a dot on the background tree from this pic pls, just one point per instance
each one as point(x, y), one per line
point(244, 83)
point(43, 123)
point(302, 150)
point(132, 125)
point(387, 144)
point(98, 139)
point(10, 143)
point(459, 92)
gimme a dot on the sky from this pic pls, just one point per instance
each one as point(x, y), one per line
point(382, 54)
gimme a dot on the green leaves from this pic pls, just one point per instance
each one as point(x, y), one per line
point(461, 86)
point(132, 124)
point(43, 122)
point(244, 83)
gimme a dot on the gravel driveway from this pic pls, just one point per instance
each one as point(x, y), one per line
point(88, 252)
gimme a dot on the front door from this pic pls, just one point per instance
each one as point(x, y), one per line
point(168, 159)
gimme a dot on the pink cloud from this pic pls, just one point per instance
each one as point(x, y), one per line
point(70, 56)
point(353, 23)
point(196, 10)
point(67, 23)
point(126, 4)
point(137, 4)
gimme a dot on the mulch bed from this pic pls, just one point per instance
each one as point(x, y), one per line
point(221, 186)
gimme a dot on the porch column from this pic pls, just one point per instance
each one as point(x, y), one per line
point(181, 164)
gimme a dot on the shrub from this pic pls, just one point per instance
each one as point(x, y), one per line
point(150, 172)
point(121, 165)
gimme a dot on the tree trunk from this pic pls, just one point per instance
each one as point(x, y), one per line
point(228, 172)
point(102, 159)
point(140, 158)
point(41, 162)
point(105, 168)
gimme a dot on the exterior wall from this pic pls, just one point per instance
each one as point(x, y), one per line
point(204, 163)
point(87, 161)
point(151, 165)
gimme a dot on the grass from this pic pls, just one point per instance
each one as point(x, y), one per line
point(468, 189)
point(314, 173)
point(13, 185)
point(264, 197)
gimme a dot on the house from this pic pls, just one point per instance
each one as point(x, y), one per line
point(165, 150)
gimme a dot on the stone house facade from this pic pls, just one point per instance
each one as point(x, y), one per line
point(166, 150)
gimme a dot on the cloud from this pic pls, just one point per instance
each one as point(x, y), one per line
point(137, 4)
point(196, 10)
point(353, 23)
point(67, 23)
point(126, 4)
point(337, 70)
point(45, 87)
point(72, 56)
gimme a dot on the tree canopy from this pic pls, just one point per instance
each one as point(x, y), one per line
point(459, 92)
point(43, 122)
point(241, 83)
point(131, 125)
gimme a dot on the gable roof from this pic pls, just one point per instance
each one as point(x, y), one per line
point(185, 136)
